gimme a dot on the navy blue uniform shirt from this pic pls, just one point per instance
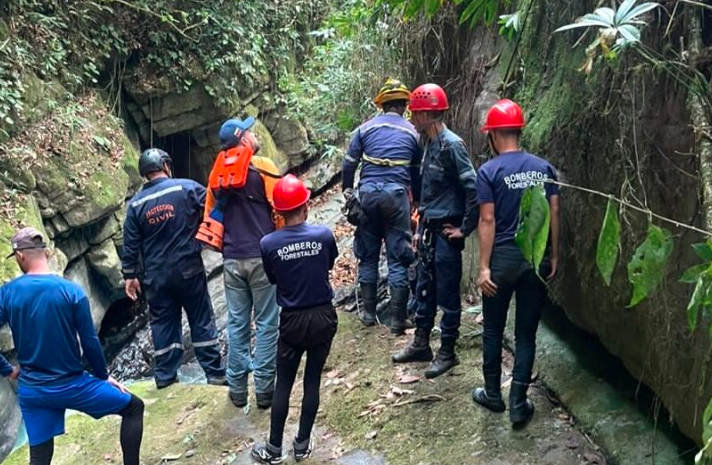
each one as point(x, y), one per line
point(46, 313)
point(388, 136)
point(298, 259)
point(161, 223)
point(449, 183)
point(248, 218)
point(502, 181)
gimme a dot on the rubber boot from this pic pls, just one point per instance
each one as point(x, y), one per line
point(417, 351)
point(399, 309)
point(369, 295)
point(490, 397)
point(445, 359)
point(521, 408)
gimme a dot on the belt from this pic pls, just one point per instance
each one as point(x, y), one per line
point(386, 162)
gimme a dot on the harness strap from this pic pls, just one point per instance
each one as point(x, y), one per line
point(387, 162)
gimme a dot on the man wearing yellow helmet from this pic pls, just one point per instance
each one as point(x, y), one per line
point(387, 149)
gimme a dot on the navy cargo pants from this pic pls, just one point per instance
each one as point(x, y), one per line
point(439, 276)
point(167, 293)
point(387, 207)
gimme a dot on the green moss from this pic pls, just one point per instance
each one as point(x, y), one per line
point(25, 212)
point(269, 147)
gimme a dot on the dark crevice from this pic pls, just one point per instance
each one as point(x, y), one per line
point(123, 318)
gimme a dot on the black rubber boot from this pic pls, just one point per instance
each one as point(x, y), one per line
point(369, 295)
point(399, 309)
point(445, 359)
point(417, 351)
point(521, 408)
point(490, 397)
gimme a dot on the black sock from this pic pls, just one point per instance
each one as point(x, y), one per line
point(42, 454)
point(131, 430)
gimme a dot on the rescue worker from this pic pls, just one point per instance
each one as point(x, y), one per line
point(448, 214)
point(503, 269)
point(238, 214)
point(387, 149)
point(163, 260)
point(52, 327)
point(298, 259)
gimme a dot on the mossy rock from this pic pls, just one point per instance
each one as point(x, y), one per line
point(178, 419)
point(17, 210)
point(269, 148)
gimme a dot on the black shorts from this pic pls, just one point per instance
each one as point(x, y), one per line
point(305, 328)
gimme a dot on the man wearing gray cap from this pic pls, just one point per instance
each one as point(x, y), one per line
point(52, 327)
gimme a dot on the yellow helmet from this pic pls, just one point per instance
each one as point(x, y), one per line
point(392, 90)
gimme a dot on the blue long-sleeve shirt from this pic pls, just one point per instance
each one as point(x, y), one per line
point(449, 183)
point(385, 137)
point(161, 223)
point(51, 326)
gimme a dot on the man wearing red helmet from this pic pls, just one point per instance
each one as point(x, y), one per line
point(297, 259)
point(448, 212)
point(503, 269)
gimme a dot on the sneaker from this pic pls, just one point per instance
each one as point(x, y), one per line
point(238, 399)
point(267, 454)
point(264, 399)
point(303, 450)
point(165, 384)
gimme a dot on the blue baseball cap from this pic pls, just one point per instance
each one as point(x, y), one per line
point(232, 129)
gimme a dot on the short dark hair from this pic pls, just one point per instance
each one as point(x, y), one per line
point(395, 105)
point(510, 132)
point(288, 215)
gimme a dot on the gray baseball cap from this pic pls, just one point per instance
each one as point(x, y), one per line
point(27, 238)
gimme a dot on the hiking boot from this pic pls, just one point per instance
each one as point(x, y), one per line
point(217, 381)
point(166, 383)
point(445, 360)
point(268, 454)
point(369, 295)
point(490, 397)
point(238, 399)
point(521, 408)
point(399, 309)
point(302, 450)
point(264, 399)
point(417, 351)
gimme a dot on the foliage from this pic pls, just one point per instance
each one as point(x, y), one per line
point(472, 12)
point(533, 229)
point(701, 276)
point(608, 243)
point(617, 29)
point(647, 267)
point(510, 25)
point(333, 91)
point(704, 457)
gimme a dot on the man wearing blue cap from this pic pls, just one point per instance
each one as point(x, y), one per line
point(163, 260)
point(238, 214)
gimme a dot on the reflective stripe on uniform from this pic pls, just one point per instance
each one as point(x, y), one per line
point(213, 342)
point(385, 161)
point(176, 346)
point(155, 195)
point(392, 126)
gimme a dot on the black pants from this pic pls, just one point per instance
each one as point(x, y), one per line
point(512, 275)
point(301, 331)
point(168, 293)
point(131, 436)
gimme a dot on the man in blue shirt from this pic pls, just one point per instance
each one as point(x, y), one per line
point(387, 149)
point(51, 327)
point(448, 214)
point(163, 259)
point(297, 259)
point(503, 269)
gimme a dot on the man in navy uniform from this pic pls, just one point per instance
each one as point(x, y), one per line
point(162, 259)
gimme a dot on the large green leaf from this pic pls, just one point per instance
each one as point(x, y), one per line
point(692, 274)
point(533, 229)
point(703, 250)
point(696, 302)
point(608, 243)
point(704, 457)
point(646, 268)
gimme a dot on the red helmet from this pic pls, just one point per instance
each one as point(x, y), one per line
point(290, 193)
point(505, 114)
point(429, 97)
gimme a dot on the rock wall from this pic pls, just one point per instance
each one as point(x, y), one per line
point(622, 130)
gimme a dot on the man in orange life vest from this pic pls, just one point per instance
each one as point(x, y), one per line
point(162, 259)
point(238, 214)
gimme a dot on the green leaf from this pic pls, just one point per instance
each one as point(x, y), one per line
point(533, 229)
point(623, 10)
point(692, 274)
point(639, 10)
point(470, 11)
point(608, 243)
point(696, 301)
point(646, 268)
point(431, 7)
point(703, 250)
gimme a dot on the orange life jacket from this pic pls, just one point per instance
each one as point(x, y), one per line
point(230, 172)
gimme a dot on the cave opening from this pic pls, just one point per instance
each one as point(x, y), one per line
point(181, 147)
point(123, 318)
